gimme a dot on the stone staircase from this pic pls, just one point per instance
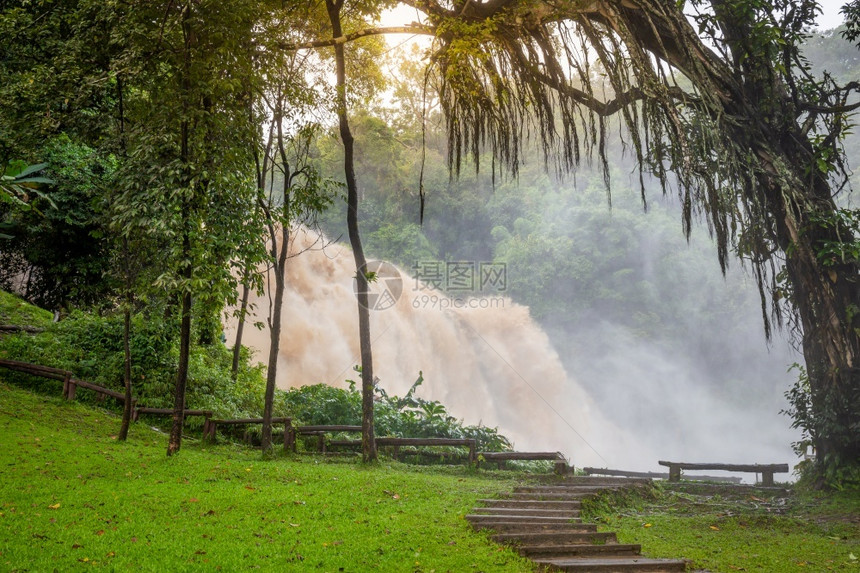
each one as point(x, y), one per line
point(543, 523)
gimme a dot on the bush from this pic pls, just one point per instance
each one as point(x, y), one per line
point(409, 416)
point(91, 347)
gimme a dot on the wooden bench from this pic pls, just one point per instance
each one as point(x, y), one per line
point(652, 475)
point(211, 425)
point(396, 443)
point(766, 470)
point(500, 458)
point(320, 431)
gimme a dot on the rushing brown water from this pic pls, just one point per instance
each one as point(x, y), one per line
point(488, 362)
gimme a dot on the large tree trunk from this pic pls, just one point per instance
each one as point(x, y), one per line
point(824, 289)
point(367, 433)
point(825, 294)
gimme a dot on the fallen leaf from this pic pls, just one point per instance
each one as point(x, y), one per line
point(294, 525)
point(647, 525)
point(100, 532)
point(110, 554)
point(250, 488)
point(55, 506)
point(193, 500)
point(714, 527)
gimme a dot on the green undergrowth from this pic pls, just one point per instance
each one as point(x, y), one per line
point(736, 528)
point(72, 498)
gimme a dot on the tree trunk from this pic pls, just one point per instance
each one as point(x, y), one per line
point(175, 440)
point(126, 254)
point(126, 408)
point(826, 297)
point(274, 341)
point(240, 328)
point(367, 434)
point(279, 261)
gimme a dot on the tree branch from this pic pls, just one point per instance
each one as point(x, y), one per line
point(413, 28)
point(830, 109)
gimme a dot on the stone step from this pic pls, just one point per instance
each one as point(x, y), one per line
point(533, 503)
point(614, 564)
point(573, 489)
point(474, 518)
point(569, 550)
point(528, 527)
point(605, 480)
point(526, 512)
point(556, 537)
point(547, 496)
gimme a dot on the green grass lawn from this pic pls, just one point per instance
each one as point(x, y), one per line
point(724, 530)
point(72, 498)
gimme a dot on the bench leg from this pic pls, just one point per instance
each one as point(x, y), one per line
point(674, 473)
point(73, 389)
point(767, 479)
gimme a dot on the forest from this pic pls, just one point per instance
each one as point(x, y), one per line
point(651, 182)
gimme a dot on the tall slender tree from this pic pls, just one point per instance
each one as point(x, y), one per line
point(334, 8)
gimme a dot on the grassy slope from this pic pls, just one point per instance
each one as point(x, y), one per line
point(72, 498)
point(752, 530)
point(14, 311)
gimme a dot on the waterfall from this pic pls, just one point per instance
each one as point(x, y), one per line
point(488, 362)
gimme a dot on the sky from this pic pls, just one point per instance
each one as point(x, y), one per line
point(830, 17)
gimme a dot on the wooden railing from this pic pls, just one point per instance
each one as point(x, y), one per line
point(210, 424)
